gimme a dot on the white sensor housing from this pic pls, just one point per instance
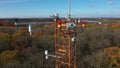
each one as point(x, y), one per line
point(73, 39)
point(70, 25)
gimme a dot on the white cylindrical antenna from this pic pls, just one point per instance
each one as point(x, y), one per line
point(15, 23)
point(46, 57)
point(46, 52)
point(79, 21)
point(69, 8)
point(16, 28)
point(30, 28)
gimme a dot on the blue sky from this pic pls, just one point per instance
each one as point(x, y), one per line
point(45, 8)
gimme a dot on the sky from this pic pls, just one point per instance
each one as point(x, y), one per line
point(45, 8)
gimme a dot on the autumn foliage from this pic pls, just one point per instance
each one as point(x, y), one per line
point(97, 47)
point(114, 54)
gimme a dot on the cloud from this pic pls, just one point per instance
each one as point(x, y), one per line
point(110, 2)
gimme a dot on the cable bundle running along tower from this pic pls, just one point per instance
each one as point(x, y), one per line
point(65, 46)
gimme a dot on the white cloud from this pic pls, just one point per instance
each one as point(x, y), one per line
point(110, 2)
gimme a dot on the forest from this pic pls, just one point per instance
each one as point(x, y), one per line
point(98, 46)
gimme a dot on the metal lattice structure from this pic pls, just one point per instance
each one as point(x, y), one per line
point(65, 46)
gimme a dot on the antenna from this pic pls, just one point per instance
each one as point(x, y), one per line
point(16, 28)
point(30, 29)
point(69, 8)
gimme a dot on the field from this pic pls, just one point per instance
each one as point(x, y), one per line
point(98, 46)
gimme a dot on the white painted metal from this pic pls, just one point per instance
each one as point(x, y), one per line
point(30, 24)
point(70, 25)
point(73, 39)
point(49, 55)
